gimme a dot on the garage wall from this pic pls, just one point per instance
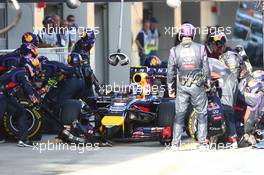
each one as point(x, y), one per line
point(25, 24)
point(227, 14)
point(119, 74)
point(101, 43)
point(165, 16)
point(191, 13)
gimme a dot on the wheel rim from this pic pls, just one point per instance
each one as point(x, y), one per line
point(30, 120)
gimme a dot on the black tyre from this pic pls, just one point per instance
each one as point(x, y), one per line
point(166, 115)
point(34, 124)
point(70, 111)
point(191, 128)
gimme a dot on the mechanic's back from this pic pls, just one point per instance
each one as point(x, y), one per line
point(189, 61)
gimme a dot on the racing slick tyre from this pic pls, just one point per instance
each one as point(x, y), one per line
point(34, 124)
point(166, 114)
point(191, 128)
point(70, 111)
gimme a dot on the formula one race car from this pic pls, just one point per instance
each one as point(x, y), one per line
point(132, 119)
point(141, 116)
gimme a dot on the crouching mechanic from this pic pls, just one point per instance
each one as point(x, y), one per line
point(233, 61)
point(189, 61)
point(252, 91)
point(10, 82)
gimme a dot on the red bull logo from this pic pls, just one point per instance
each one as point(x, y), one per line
point(28, 37)
point(35, 51)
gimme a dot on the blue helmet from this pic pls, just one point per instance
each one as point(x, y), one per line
point(30, 38)
point(29, 51)
point(74, 59)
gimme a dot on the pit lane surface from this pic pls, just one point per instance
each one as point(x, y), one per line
point(123, 158)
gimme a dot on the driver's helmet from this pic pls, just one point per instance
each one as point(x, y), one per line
point(153, 61)
point(88, 38)
point(186, 30)
point(30, 38)
point(258, 75)
point(74, 59)
point(218, 38)
point(29, 51)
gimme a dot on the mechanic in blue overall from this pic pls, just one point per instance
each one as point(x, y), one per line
point(25, 51)
point(83, 47)
point(217, 43)
point(189, 61)
point(70, 86)
point(10, 83)
point(13, 58)
point(88, 77)
point(252, 91)
point(27, 38)
point(54, 70)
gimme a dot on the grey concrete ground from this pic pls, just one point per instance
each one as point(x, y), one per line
point(137, 158)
